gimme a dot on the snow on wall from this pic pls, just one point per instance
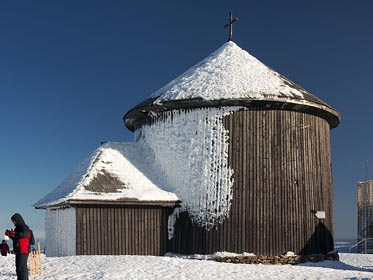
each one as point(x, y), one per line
point(191, 149)
point(60, 232)
point(171, 222)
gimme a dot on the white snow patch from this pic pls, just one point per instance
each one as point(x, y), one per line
point(351, 266)
point(228, 73)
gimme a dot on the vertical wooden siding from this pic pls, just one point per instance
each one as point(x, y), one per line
point(282, 174)
point(113, 230)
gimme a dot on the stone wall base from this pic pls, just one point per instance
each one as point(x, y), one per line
point(279, 260)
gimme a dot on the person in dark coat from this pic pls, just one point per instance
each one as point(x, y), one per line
point(4, 248)
point(22, 238)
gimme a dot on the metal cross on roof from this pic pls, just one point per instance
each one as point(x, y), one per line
point(231, 21)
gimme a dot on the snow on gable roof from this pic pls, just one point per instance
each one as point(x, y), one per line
point(115, 172)
point(229, 73)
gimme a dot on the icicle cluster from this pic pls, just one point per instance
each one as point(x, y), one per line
point(191, 149)
point(171, 222)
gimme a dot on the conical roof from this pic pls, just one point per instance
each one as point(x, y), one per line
point(231, 76)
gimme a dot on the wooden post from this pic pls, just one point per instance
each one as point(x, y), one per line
point(35, 265)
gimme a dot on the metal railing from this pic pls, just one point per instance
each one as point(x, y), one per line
point(364, 246)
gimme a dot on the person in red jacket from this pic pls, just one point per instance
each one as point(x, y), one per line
point(4, 248)
point(22, 240)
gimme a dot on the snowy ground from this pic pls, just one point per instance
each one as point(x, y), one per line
point(351, 266)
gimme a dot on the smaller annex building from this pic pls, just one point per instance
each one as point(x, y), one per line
point(110, 205)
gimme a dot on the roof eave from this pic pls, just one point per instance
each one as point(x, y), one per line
point(147, 109)
point(97, 203)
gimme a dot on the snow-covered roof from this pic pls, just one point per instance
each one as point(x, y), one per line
point(116, 172)
point(228, 75)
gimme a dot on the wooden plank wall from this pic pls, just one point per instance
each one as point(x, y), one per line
point(282, 173)
point(115, 230)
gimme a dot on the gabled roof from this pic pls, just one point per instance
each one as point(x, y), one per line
point(116, 172)
point(231, 76)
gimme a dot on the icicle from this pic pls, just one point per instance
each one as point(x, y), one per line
point(171, 222)
point(191, 150)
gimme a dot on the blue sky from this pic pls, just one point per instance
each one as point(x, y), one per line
point(70, 70)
